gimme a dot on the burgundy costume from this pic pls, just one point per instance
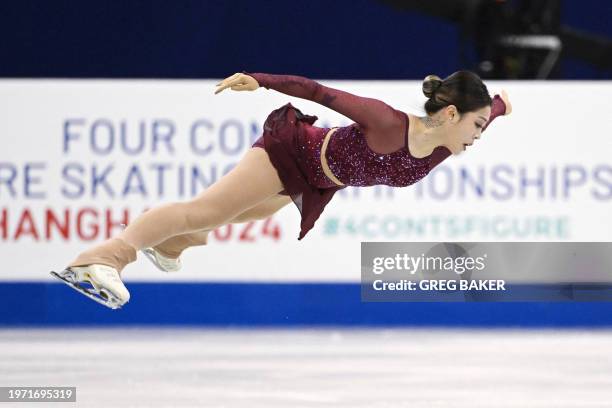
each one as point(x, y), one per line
point(371, 151)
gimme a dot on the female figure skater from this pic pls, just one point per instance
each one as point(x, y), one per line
point(296, 161)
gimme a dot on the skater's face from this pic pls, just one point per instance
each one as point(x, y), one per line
point(464, 129)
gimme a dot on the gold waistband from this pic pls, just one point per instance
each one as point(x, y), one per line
point(324, 164)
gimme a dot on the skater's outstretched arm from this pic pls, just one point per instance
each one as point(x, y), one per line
point(369, 113)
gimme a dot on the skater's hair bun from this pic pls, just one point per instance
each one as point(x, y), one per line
point(430, 84)
point(464, 89)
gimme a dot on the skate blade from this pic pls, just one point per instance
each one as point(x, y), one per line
point(150, 254)
point(68, 277)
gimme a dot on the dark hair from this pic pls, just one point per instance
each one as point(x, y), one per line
point(464, 89)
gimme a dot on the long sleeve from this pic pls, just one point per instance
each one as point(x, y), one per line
point(498, 108)
point(367, 112)
point(440, 153)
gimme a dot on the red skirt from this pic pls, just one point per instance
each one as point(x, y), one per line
point(282, 138)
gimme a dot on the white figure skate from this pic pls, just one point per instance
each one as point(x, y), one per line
point(162, 263)
point(98, 282)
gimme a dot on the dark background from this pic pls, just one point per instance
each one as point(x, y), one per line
point(359, 39)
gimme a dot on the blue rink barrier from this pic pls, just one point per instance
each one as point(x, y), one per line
point(277, 304)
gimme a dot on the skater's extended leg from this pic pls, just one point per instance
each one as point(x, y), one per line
point(252, 181)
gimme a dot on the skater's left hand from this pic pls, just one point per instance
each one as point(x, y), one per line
point(238, 82)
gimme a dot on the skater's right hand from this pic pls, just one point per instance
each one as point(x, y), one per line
point(238, 82)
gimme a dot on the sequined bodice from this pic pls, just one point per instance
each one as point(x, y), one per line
point(356, 164)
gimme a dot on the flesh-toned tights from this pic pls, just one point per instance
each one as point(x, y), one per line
point(249, 191)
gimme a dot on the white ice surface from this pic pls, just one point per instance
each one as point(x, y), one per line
point(312, 368)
